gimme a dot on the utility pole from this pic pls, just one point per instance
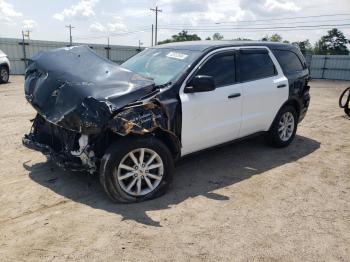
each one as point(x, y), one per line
point(156, 10)
point(70, 34)
point(24, 50)
point(108, 48)
point(27, 34)
point(152, 36)
point(140, 44)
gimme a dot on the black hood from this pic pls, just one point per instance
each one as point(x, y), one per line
point(77, 89)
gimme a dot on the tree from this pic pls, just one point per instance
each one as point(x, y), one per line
point(334, 43)
point(208, 38)
point(242, 39)
point(304, 46)
point(276, 38)
point(181, 37)
point(218, 36)
point(273, 38)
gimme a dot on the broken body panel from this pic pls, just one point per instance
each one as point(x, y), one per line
point(84, 101)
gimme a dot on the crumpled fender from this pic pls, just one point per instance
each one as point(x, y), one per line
point(147, 118)
point(139, 119)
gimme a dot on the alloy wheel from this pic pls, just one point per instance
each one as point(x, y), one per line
point(286, 126)
point(140, 172)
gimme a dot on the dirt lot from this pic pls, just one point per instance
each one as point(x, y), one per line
point(243, 202)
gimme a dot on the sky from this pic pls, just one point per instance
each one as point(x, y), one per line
point(127, 22)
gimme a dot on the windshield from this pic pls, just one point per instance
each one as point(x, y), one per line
point(162, 65)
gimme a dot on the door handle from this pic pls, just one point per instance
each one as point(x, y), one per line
point(234, 95)
point(281, 86)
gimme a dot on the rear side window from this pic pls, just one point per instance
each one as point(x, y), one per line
point(255, 65)
point(221, 67)
point(288, 60)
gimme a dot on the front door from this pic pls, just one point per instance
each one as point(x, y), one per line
point(213, 117)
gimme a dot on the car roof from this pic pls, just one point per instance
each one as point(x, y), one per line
point(207, 45)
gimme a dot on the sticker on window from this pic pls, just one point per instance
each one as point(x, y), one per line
point(177, 55)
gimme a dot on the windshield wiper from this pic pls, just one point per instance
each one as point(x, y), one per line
point(163, 85)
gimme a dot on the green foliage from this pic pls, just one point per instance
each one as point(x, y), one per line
point(218, 36)
point(304, 46)
point(273, 38)
point(334, 43)
point(242, 39)
point(181, 37)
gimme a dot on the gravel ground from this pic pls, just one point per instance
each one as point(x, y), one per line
point(242, 202)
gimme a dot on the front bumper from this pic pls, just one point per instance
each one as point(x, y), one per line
point(60, 160)
point(61, 146)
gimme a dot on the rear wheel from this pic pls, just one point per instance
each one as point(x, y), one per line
point(4, 74)
point(136, 169)
point(283, 129)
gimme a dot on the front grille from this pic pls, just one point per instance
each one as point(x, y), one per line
point(59, 139)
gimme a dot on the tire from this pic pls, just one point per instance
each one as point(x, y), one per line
point(346, 105)
point(275, 137)
point(4, 74)
point(117, 156)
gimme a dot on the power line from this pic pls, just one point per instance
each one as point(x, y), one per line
point(255, 28)
point(82, 37)
point(269, 30)
point(156, 10)
point(273, 19)
point(267, 24)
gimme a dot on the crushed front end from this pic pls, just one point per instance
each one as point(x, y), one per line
point(84, 102)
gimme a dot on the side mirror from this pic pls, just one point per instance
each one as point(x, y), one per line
point(200, 83)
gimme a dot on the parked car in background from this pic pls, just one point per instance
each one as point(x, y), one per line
point(131, 122)
point(4, 68)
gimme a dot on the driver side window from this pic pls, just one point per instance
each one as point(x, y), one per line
point(221, 67)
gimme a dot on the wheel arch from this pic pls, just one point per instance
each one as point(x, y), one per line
point(294, 103)
point(6, 66)
point(169, 139)
point(290, 102)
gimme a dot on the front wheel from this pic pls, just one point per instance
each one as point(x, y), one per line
point(136, 169)
point(283, 129)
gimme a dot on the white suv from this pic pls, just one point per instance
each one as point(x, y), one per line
point(130, 123)
point(4, 68)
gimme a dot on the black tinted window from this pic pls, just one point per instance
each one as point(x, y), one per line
point(221, 68)
point(288, 60)
point(255, 66)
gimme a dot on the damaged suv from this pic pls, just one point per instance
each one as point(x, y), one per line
point(131, 122)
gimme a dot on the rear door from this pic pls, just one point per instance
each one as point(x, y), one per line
point(295, 69)
point(264, 87)
point(214, 117)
